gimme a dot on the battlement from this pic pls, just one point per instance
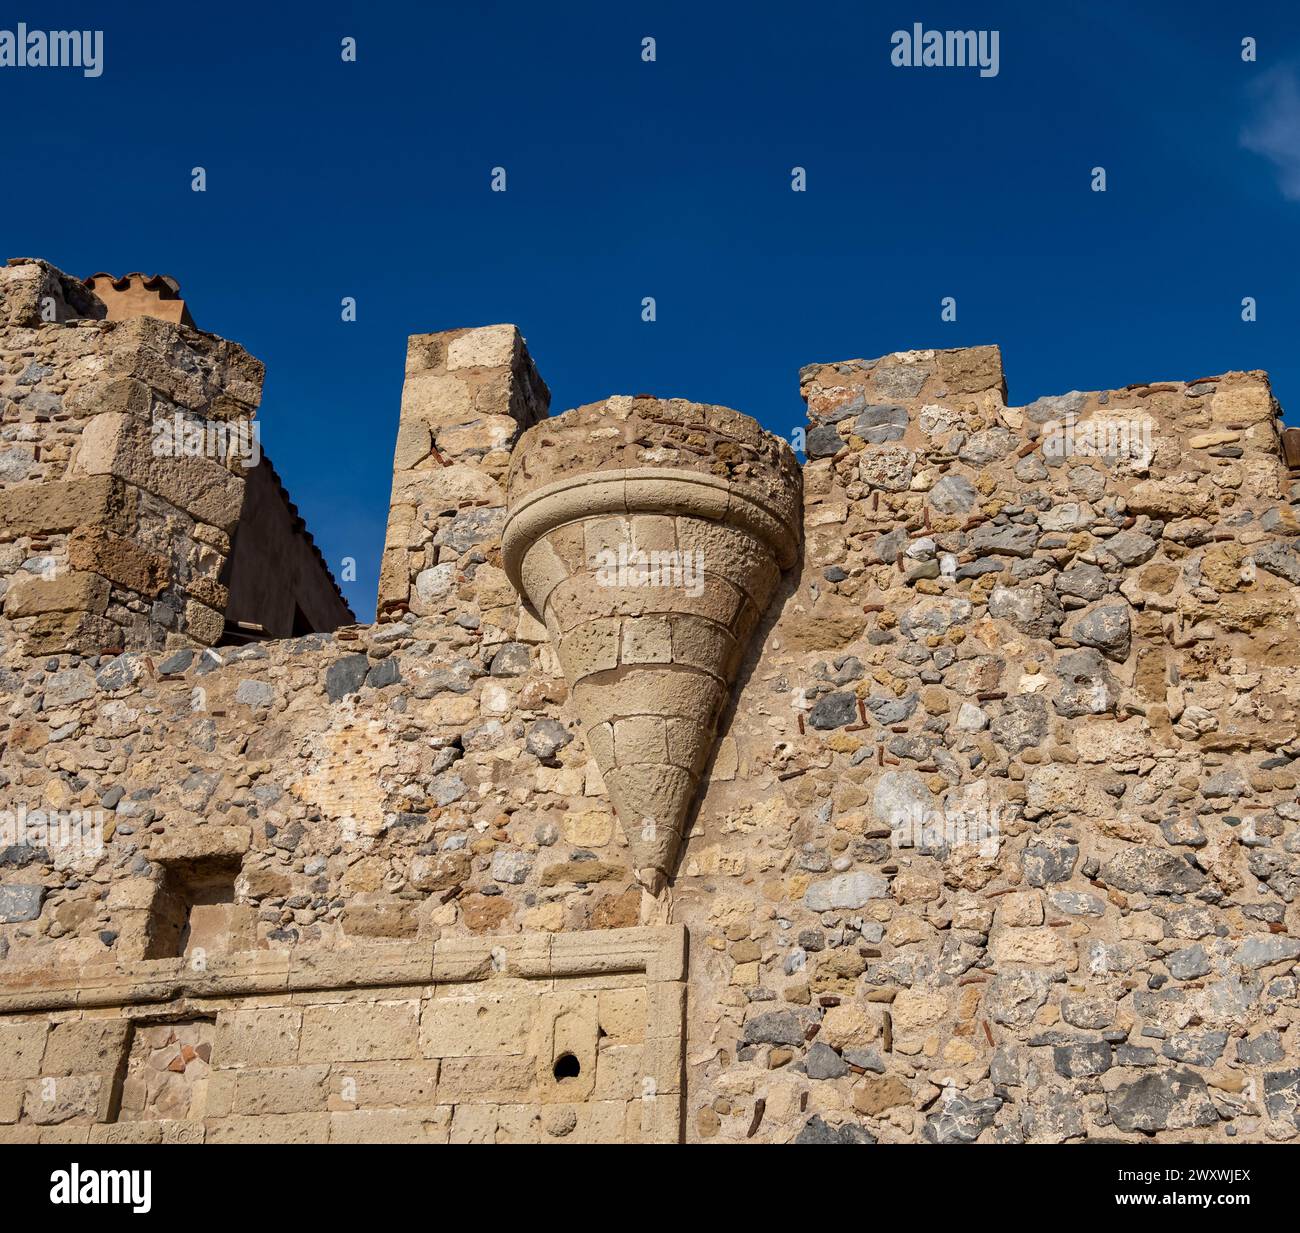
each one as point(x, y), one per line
point(961, 392)
point(141, 295)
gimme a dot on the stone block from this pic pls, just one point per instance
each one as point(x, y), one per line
point(381, 1085)
point(622, 1015)
point(11, 1101)
point(490, 346)
point(119, 445)
point(265, 1036)
point(499, 1078)
point(475, 1027)
point(436, 399)
point(22, 1044)
point(376, 1031)
point(30, 288)
point(53, 1101)
point(205, 625)
point(20, 901)
point(391, 1126)
point(99, 551)
point(91, 1045)
point(60, 505)
point(71, 592)
point(269, 1128)
point(474, 1124)
point(287, 1089)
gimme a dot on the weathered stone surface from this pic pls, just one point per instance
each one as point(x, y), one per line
point(824, 441)
point(954, 494)
point(1266, 1047)
point(823, 1062)
point(345, 676)
point(1282, 1095)
point(834, 711)
point(1107, 628)
point(1022, 724)
point(1260, 952)
point(958, 1120)
point(1155, 871)
point(1032, 609)
point(19, 902)
point(934, 873)
point(1084, 581)
point(845, 891)
point(816, 1130)
point(1081, 1060)
point(778, 1027)
point(1010, 540)
point(1188, 963)
point(1131, 547)
point(546, 738)
point(71, 592)
point(121, 446)
point(879, 424)
point(1279, 559)
point(1014, 998)
point(1087, 685)
point(255, 693)
point(38, 509)
point(1167, 1100)
point(99, 551)
point(1050, 860)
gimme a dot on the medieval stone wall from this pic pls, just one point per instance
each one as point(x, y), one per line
point(998, 838)
point(120, 546)
point(125, 443)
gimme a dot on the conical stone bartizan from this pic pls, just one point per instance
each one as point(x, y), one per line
point(650, 535)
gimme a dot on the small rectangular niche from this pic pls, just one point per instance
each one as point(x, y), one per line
point(195, 910)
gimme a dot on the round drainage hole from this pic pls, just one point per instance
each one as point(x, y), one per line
point(567, 1067)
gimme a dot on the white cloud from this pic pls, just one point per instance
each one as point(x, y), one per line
point(1274, 129)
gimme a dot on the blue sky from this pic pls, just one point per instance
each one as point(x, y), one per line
point(669, 179)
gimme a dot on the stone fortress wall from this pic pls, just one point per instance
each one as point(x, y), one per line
point(998, 838)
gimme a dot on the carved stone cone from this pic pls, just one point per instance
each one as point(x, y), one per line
point(649, 535)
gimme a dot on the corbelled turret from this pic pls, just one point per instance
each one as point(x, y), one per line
point(649, 535)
